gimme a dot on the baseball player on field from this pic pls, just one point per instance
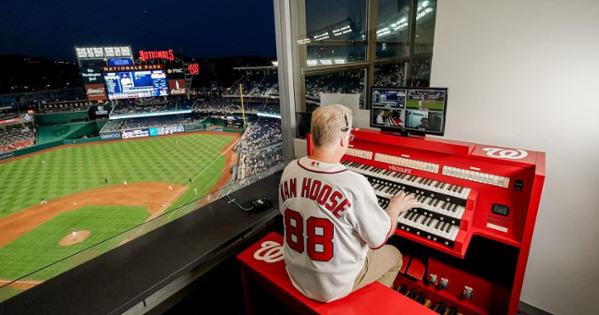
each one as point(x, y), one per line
point(335, 231)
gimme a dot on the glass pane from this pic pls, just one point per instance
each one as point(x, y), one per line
point(151, 124)
point(334, 32)
point(425, 28)
point(423, 42)
point(390, 74)
point(334, 55)
point(347, 82)
point(421, 72)
point(344, 82)
point(393, 29)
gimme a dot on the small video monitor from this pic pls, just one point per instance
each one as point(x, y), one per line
point(409, 110)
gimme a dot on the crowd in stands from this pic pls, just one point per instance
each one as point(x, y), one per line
point(71, 106)
point(146, 122)
point(6, 115)
point(347, 82)
point(271, 108)
point(264, 82)
point(422, 73)
point(233, 106)
point(390, 75)
point(256, 83)
point(260, 148)
point(149, 105)
point(14, 137)
point(218, 106)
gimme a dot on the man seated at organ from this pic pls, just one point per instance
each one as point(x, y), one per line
point(335, 231)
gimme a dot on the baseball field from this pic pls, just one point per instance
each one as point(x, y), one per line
point(428, 104)
point(64, 200)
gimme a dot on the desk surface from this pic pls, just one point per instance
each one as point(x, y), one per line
point(124, 276)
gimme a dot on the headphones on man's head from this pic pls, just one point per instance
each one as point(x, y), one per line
point(346, 128)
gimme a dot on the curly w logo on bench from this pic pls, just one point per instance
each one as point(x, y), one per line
point(270, 252)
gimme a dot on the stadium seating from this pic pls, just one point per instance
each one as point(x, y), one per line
point(232, 106)
point(8, 115)
point(16, 137)
point(260, 148)
point(256, 83)
point(348, 82)
point(390, 75)
point(56, 107)
point(146, 122)
point(150, 105)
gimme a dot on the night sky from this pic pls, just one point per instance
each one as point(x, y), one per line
point(196, 28)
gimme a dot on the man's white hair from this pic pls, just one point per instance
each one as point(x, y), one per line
point(328, 122)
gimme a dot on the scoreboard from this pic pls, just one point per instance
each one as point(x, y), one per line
point(136, 84)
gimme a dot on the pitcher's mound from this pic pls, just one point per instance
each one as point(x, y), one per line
point(79, 237)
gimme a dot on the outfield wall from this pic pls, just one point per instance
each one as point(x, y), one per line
point(61, 117)
point(55, 133)
point(141, 132)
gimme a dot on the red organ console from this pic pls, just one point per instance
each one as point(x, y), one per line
point(466, 247)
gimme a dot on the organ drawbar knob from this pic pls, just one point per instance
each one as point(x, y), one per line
point(468, 292)
point(432, 279)
point(444, 283)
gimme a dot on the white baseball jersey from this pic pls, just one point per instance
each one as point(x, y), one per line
point(331, 217)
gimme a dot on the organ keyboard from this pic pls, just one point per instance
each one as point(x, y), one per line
point(468, 194)
point(442, 204)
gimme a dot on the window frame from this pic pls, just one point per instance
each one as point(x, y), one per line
point(290, 24)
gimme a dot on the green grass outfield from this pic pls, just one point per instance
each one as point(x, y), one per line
point(8, 292)
point(68, 170)
point(176, 159)
point(432, 105)
point(40, 247)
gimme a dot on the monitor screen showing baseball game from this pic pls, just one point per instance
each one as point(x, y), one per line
point(415, 110)
point(136, 84)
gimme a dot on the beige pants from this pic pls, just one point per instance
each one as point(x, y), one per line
point(381, 265)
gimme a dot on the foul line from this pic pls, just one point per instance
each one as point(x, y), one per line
point(202, 172)
point(207, 167)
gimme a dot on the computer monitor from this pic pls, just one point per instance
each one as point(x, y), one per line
point(409, 110)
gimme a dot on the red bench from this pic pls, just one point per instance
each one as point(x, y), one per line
point(268, 271)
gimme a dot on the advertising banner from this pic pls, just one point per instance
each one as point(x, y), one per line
point(194, 127)
point(6, 155)
point(10, 121)
point(176, 86)
point(91, 71)
point(175, 73)
point(95, 92)
point(110, 135)
point(166, 130)
point(136, 133)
